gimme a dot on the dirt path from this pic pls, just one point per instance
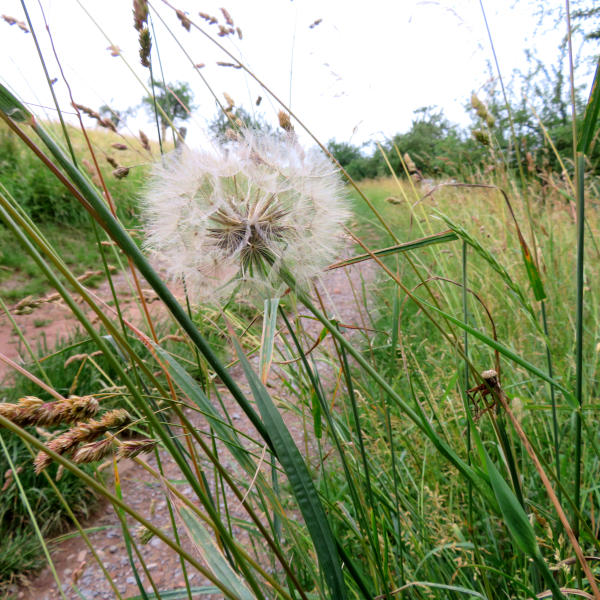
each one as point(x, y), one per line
point(340, 290)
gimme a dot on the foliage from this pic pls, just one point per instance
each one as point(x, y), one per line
point(223, 122)
point(170, 103)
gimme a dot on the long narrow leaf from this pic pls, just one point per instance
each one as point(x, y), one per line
point(436, 238)
point(300, 480)
point(203, 542)
point(590, 119)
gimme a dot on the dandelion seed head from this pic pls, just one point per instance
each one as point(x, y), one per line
point(229, 219)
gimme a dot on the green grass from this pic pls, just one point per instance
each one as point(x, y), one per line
point(401, 487)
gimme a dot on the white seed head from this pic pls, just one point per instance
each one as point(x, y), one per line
point(227, 220)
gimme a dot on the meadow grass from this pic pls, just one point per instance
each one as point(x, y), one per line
point(409, 485)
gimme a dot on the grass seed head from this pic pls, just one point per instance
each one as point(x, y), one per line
point(185, 21)
point(94, 451)
point(228, 220)
point(131, 448)
point(285, 122)
point(31, 411)
point(145, 47)
point(140, 14)
point(120, 172)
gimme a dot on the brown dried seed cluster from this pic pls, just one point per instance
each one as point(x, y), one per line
point(121, 172)
point(227, 16)
point(230, 102)
point(221, 63)
point(12, 21)
point(284, 121)
point(208, 18)
point(9, 478)
point(228, 28)
point(131, 448)
point(185, 21)
point(90, 112)
point(225, 31)
point(31, 411)
point(140, 14)
point(94, 451)
point(145, 141)
point(112, 162)
point(84, 433)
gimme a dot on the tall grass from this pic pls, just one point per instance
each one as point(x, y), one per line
point(403, 483)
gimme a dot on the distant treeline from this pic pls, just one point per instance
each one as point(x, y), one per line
point(537, 142)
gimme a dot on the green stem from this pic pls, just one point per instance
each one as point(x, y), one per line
point(579, 336)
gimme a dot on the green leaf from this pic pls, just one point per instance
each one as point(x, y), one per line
point(436, 238)
point(202, 540)
point(12, 107)
point(515, 518)
point(300, 481)
point(268, 337)
point(532, 272)
point(586, 135)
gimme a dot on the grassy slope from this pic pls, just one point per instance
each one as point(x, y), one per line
point(58, 216)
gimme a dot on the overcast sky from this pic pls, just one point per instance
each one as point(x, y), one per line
point(357, 75)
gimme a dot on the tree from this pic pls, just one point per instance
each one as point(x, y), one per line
point(354, 161)
point(118, 117)
point(171, 102)
point(222, 122)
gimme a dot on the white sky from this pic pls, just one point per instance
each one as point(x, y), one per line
point(356, 76)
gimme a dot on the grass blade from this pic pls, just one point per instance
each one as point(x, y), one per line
point(436, 238)
point(590, 118)
point(268, 337)
point(300, 480)
point(213, 557)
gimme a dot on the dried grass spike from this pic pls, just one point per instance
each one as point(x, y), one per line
point(227, 16)
point(145, 141)
point(229, 100)
point(115, 418)
point(132, 448)
point(208, 18)
point(140, 13)
point(121, 172)
point(12, 21)
point(41, 461)
point(185, 21)
point(221, 63)
point(284, 121)
point(94, 451)
point(83, 407)
point(114, 50)
point(410, 165)
point(145, 47)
